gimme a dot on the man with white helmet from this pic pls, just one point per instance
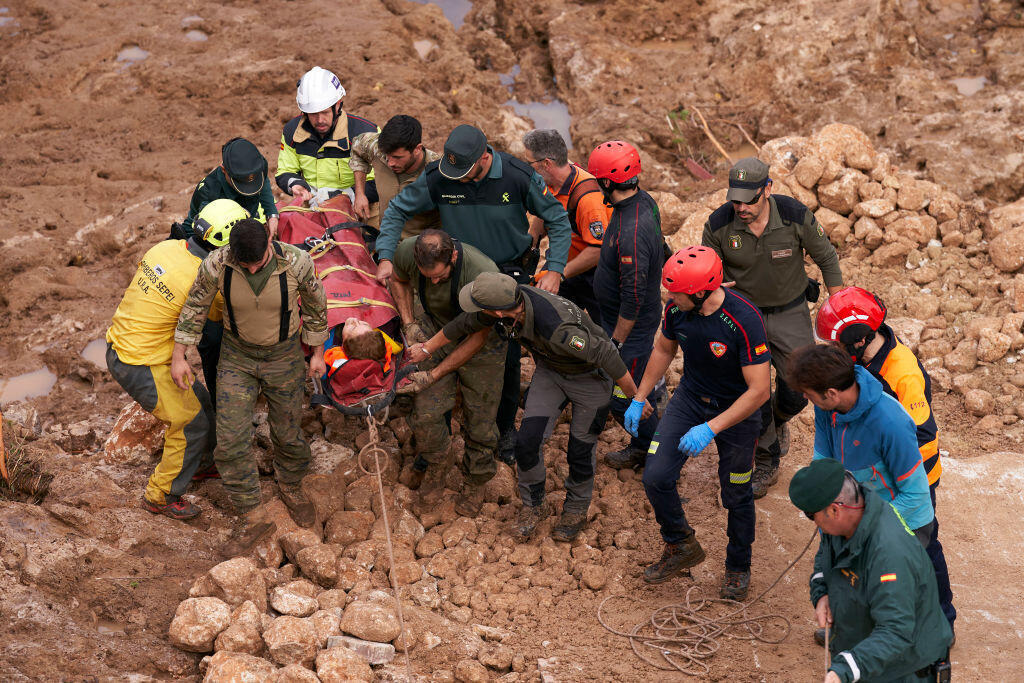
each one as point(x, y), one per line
point(139, 345)
point(317, 144)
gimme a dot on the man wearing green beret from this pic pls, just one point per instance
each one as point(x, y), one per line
point(872, 583)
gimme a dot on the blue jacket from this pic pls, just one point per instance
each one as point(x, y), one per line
point(877, 442)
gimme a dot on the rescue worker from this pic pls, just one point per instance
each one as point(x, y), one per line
point(726, 380)
point(761, 239)
point(433, 267)
point(864, 428)
point(395, 157)
point(575, 363)
point(316, 145)
point(872, 583)
point(483, 196)
point(854, 319)
point(265, 285)
point(579, 193)
point(626, 281)
point(139, 344)
point(242, 178)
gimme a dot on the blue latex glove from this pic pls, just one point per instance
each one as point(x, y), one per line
point(696, 440)
point(631, 420)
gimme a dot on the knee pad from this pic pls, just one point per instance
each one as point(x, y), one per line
point(579, 455)
point(529, 440)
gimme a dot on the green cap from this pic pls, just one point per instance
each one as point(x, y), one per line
point(815, 487)
point(464, 147)
point(746, 177)
point(490, 292)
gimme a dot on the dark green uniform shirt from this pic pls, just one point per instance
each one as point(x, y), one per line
point(769, 270)
point(881, 590)
point(441, 300)
point(216, 186)
point(557, 333)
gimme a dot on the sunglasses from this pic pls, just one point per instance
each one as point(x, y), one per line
point(810, 515)
point(755, 200)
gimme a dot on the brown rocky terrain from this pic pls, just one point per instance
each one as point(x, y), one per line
point(113, 110)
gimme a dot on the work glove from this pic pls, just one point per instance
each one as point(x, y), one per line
point(418, 381)
point(634, 413)
point(414, 334)
point(696, 440)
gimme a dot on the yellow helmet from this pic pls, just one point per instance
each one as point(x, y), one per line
point(217, 218)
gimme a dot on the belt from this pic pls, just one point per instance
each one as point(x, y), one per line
point(768, 310)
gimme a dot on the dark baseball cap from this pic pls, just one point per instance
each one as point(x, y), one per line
point(244, 166)
point(815, 487)
point(490, 292)
point(464, 147)
point(746, 177)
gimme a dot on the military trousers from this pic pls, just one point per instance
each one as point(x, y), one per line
point(787, 331)
point(480, 381)
point(589, 393)
point(245, 371)
point(187, 414)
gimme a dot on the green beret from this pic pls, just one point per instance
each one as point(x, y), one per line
point(815, 487)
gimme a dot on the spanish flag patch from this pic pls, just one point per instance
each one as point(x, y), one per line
point(887, 577)
point(760, 348)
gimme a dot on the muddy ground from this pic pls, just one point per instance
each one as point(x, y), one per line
point(113, 110)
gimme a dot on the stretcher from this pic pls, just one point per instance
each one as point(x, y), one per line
point(336, 243)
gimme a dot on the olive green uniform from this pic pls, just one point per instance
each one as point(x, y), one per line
point(576, 363)
point(260, 353)
point(769, 271)
point(479, 379)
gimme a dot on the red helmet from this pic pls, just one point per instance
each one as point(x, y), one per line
point(615, 160)
point(692, 270)
point(849, 315)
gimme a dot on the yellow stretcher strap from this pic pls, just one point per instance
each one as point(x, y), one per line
point(335, 269)
point(322, 209)
point(324, 246)
point(361, 301)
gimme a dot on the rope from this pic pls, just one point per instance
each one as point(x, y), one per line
point(373, 447)
point(685, 639)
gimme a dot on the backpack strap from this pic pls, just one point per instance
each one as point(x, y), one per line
point(227, 300)
point(583, 187)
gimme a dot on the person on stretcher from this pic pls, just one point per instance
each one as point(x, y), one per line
point(360, 340)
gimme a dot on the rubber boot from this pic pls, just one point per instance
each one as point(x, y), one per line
point(299, 506)
point(250, 528)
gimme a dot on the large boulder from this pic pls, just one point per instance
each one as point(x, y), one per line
point(296, 598)
point(371, 621)
point(1006, 250)
point(339, 664)
point(236, 667)
point(291, 640)
point(239, 638)
point(235, 581)
point(197, 623)
point(135, 437)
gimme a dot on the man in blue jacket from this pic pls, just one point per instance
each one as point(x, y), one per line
point(868, 431)
point(871, 583)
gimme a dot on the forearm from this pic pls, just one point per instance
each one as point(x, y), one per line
point(437, 342)
point(462, 353)
point(622, 329)
point(402, 292)
point(359, 183)
point(749, 401)
point(584, 261)
point(179, 350)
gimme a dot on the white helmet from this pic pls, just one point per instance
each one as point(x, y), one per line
point(319, 89)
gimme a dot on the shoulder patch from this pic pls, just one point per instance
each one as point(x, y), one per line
point(721, 217)
point(577, 343)
point(596, 229)
point(790, 210)
point(760, 349)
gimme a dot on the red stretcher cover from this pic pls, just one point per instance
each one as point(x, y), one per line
point(334, 240)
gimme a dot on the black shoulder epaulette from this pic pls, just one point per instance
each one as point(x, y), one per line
point(290, 128)
point(518, 164)
point(790, 210)
point(722, 216)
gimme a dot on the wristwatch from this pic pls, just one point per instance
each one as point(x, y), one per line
point(617, 344)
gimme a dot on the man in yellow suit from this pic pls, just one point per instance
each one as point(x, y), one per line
point(139, 344)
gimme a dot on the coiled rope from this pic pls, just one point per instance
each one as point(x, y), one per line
point(374, 448)
point(679, 637)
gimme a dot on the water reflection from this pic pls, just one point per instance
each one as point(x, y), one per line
point(35, 383)
point(96, 352)
point(132, 54)
point(969, 86)
point(551, 114)
point(454, 10)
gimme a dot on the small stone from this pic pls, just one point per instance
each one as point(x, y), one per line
point(963, 358)
point(371, 621)
point(1006, 250)
point(246, 614)
point(349, 526)
point(911, 196)
point(239, 638)
point(326, 492)
point(461, 529)
point(431, 641)
point(491, 633)
point(626, 539)
point(992, 345)
point(496, 656)
point(291, 640)
point(238, 580)
point(294, 541)
point(525, 554)
point(327, 624)
point(319, 563)
point(340, 664)
point(979, 402)
point(295, 598)
point(197, 622)
point(470, 671)
point(874, 208)
point(293, 673)
point(373, 652)
point(808, 170)
point(429, 545)
point(842, 195)
point(405, 573)
point(135, 437)
point(229, 667)
point(332, 599)
point(594, 576)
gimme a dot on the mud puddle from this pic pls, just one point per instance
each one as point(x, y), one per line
point(553, 113)
point(31, 384)
point(96, 352)
point(969, 86)
point(454, 10)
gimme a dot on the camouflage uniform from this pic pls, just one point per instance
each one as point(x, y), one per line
point(260, 353)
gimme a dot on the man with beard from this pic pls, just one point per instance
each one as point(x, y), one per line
point(761, 239)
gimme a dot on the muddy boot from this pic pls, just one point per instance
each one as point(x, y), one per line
point(675, 559)
point(177, 509)
point(763, 479)
point(250, 528)
point(432, 485)
point(470, 500)
point(627, 458)
point(419, 469)
point(569, 526)
point(507, 448)
point(735, 586)
point(529, 517)
point(299, 506)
